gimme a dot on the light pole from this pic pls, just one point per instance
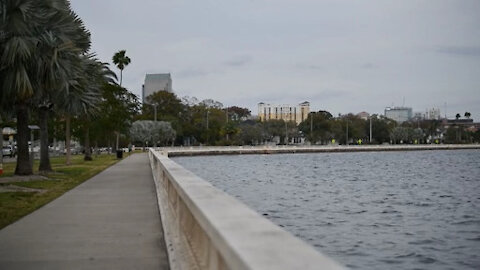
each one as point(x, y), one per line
point(32, 155)
point(311, 124)
point(155, 105)
point(370, 129)
point(155, 112)
point(346, 138)
point(226, 116)
point(208, 112)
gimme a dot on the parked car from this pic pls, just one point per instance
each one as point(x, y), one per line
point(74, 150)
point(9, 150)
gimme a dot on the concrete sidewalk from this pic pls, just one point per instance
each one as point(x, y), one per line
point(109, 222)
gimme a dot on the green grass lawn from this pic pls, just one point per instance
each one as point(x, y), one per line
point(14, 205)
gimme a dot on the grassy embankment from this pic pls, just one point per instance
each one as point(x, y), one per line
point(14, 205)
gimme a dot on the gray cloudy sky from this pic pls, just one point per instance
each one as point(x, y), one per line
point(342, 56)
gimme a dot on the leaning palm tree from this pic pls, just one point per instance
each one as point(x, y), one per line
point(78, 100)
point(121, 60)
point(98, 74)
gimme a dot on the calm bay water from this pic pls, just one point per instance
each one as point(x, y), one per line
point(375, 210)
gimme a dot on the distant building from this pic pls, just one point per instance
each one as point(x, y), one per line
point(429, 114)
point(399, 114)
point(432, 114)
point(418, 116)
point(296, 113)
point(154, 83)
point(458, 121)
point(363, 115)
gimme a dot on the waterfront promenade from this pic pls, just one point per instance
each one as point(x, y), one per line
point(109, 222)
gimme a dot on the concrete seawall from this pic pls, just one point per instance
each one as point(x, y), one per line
point(207, 229)
point(243, 150)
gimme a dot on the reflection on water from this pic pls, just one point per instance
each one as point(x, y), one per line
point(376, 210)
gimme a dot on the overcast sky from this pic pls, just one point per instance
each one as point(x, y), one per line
point(342, 56)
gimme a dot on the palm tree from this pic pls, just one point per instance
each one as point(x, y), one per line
point(457, 116)
point(98, 73)
point(83, 97)
point(40, 40)
point(19, 21)
point(121, 60)
point(62, 42)
point(55, 71)
point(79, 99)
point(467, 115)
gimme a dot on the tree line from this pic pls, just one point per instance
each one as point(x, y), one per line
point(208, 123)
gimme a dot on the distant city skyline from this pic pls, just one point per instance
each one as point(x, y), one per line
point(342, 56)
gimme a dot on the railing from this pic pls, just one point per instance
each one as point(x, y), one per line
point(205, 228)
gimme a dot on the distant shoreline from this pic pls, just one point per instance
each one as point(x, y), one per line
point(255, 150)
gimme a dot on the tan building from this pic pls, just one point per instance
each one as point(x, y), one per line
point(296, 113)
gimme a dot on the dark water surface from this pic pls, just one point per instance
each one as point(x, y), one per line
point(375, 210)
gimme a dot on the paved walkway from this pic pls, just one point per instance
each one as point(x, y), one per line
point(109, 222)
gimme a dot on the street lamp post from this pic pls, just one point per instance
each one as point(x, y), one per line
point(32, 155)
point(311, 124)
point(370, 129)
point(155, 112)
point(346, 138)
point(311, 114)
point(208, 112)
point(226, 116)
point(155, 105)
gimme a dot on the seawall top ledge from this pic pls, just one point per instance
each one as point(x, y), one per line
point(244, 239)
point(267, 149)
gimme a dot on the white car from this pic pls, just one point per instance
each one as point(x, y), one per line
point(8, 150)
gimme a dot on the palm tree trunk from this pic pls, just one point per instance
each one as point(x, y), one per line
point(67, 139)
point(121, 75)
point(88, 152)
point(44, 157)
point(23, 159)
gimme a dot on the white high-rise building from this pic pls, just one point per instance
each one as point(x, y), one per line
point(399, 114)
point(154, 83)
point(433, 114)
